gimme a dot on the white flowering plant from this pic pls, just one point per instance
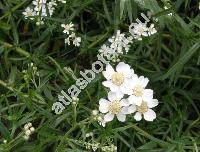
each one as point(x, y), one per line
point(103, 76)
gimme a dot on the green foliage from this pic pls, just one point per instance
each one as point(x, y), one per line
point(170, 59)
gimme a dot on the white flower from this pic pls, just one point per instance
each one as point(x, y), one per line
point(67, 27)
point(115, 106)
point(151, 30)
point(101, 121)
point(32, 129)
point(26, 137)
point(104, 50)
point(77, 41)
point(95, 112)
point(40, 7)
point(166, 8)
point(29, 129)
point(37, 2)
point(118, 45)
point(138, 30)
point(39, 22)
point(118, 42)
point(109, 53)
point(51, 7)
point(145, 110)
point(136, 89)
point(28, 132)
point(116, 80)
point(29, 13)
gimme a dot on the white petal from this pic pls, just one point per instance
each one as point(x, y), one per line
point(150, 115)
point(134, 81)
point(114, 88)
point(134, 76)
point(126, 87)
point(135, 100)
point(143, 81)
point(110, 85)
point(124, 110)
point(119, 95)
point(109, 72)
point(121, 117)
point(107, 83)
point(124, 102)
point(132, 72)
point(147, 94)
point(108, 117)
point(114, 96)
point(131, 109)
point(103, 105)
point(152, 103)
point(124, 68)
point(138, 116)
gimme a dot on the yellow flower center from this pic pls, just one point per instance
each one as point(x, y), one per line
point(137, 91)
point(29, 13)
point(142, 108)
point(114, 107)
point(118, 78)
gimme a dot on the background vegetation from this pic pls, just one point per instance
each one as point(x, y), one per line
point(170, 59)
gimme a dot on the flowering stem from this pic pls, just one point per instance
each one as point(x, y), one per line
point(72, 129)
point(75, 114)
point(58, 66)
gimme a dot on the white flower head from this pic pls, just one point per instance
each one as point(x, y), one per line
point(145, 110)
point(77, 41)
point(68, 27)
point(117, 45)
point(115, 105)
point(101, 121)
point(29, 13)
point(119, 42)
point(138, 30)
point(104, 50)
point(136, 89)
point(116, 80)
point(151, 30)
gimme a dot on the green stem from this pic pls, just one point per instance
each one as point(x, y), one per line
point(17, 49)
point(6, 85)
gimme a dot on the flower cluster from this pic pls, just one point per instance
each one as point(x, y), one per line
point(98, 117)
point(94, 146)
point(71, 36)
point(139, 30)
point(28, 129)
point(128, 94)
point(118, 45)
point(166, 8)
point(32, 71)
point(41, 9)
point(90, 134)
